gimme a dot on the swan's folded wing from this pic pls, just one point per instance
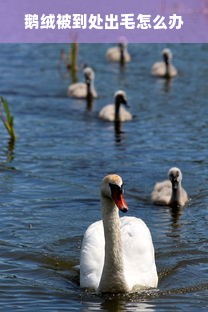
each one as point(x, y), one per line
point(158, 69)
point(161, 193)
point(92, 256)
point(139, 258)
point(124, 114)
point(184, 197)
point(113, 54)
point(108, 112)
point(77, 89)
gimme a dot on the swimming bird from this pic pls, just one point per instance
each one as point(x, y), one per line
point(170, 192)
point(81, 89)
point(117, 254)
point(165, 69)
point(119, 53)
point(116, 112)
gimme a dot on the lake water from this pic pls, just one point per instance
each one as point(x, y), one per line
point(49, 186)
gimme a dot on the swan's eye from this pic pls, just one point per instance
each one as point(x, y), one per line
point(116, 188)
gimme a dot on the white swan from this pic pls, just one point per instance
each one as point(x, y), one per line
point(116, 112)
point(119, 53)
point(81, 89)
point(170, 192)
point(117, 254)
point(165, 69)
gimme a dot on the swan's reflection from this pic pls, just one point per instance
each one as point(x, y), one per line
point(175, 214)
point(118, 304)
point(89, 102)
point(167, 85)
point(117, 130)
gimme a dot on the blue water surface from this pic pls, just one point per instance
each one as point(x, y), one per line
point(50, 177)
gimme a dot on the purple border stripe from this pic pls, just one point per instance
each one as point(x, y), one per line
point(194, 14)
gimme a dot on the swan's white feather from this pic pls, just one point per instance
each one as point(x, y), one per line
point(92, 256)
point(138, 255)
point(139, 260)
point(159, 69)
point(108, 113)
point(113, 54)
point(161, 193)
point(78, 89)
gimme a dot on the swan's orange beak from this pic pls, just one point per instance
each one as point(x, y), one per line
point(117, 195)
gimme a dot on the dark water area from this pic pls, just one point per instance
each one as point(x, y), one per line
point(50, 178)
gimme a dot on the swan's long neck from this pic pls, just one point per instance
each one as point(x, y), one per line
point(122, 51)
point(176, 194)
point(117, 109)
point(112, 279)
point(167, 67)
point(167, 71)
point(89, 97)
point(90, 88)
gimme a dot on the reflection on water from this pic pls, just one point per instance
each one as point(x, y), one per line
point(10, 151)
point(61, 155)
point(123, 305)
point(118, 130)
point(175, 214)
point(167, 85)
point(118, 303)
point(89, 102)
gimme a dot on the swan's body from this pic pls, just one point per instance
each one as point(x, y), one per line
point(118, 54)
point(117, 254)
point(116, 112)
point(165, 69)
point(81, 89)
point(170, 192)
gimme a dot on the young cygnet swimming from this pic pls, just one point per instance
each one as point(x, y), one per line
point(116, 111)
point(81, 89)
point(165, 69)
point(117, 254)
point(170, 192)
point(119, 54)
